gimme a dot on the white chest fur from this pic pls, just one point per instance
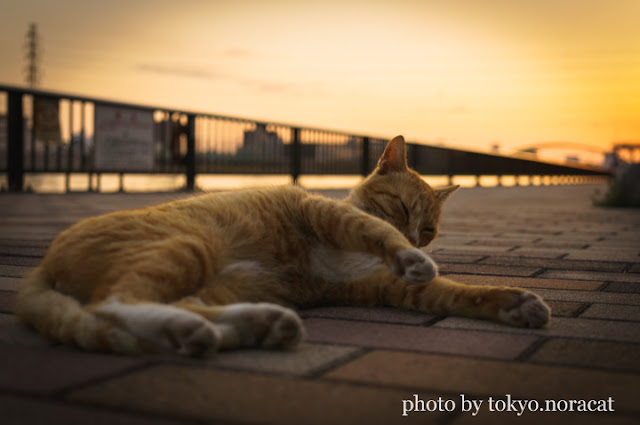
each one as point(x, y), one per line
point(336, 266)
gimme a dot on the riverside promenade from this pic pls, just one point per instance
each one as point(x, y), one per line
point(369, 366)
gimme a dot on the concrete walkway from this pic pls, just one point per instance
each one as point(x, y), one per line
point(367, 366)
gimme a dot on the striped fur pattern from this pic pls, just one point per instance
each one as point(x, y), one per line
point(224, 270)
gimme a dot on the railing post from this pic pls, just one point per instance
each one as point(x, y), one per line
point(364, 164)
point(295, 154)
point(190, 157)
point(412, 155)
point(15, 142)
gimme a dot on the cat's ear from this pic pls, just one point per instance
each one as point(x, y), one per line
point(394, 157)
point(443, 193)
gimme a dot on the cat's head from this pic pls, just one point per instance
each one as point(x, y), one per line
point(398, 195)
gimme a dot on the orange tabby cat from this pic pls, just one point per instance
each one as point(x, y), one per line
point(218, 271)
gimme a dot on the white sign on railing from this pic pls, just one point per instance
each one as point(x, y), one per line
point(46, 119)
point(123, 139)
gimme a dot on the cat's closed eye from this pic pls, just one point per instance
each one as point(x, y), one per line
point(405, 210)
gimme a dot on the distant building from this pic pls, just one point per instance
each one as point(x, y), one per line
point(611, 160)
point(261, 144)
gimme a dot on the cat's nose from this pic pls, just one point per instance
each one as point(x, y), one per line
point(413, 239)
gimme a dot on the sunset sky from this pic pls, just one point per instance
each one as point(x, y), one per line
point(466, 73)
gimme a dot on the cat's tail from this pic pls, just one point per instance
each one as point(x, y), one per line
point(62, 318)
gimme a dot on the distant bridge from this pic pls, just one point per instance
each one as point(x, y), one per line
point(620, 152)
point(562, 145)
point(631, 149)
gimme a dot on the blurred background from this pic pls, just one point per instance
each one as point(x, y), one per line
point(560, 78)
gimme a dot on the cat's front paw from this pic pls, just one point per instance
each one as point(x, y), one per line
point(526, 310)
point(414, 266)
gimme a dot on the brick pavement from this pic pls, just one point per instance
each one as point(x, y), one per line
point(358, 365)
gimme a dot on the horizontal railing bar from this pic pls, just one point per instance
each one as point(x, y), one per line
point(108, 102)
point(195, 143)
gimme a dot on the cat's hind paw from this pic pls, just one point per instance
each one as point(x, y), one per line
point(414, 266)
point(526, 310)
point(260, 325)
point(166, 328)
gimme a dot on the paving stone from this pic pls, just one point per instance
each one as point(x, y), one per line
point(13, 332)
point(537, 230)
point(630, 229)
point(540, 231)
point(588, 296)
point(14, 260)
point(448, 375)
point(519, 237)
point(602, 254)
point(490, 270)
point(21, 411)
point(214, 395)
point(556, 264)
point(445, 241)
point(558, 326)
point(470, 249)
point(34, 238)
point(20, 244)
point(47, 371)
point(565, 308)
point(9, 283)
point(442, 258)
point(13, 271)
point(36, 219)
point(452, 234)
point(536, 252)
point(6, 301)
point(585, 285)
point(549, 243)
point(587, 238)
point(613, 242)
point(500, 242)
point(305, 360)
point(28, 230)
point(369, 314)
point(612, 312)
point(418, 338)
point(586, 275)
point(506, 234)
point(588, 353)
point(622, 287)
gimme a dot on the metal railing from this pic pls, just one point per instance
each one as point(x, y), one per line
point(192, 143)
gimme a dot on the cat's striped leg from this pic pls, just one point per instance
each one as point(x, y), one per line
point(441, 296)
point(263, 325)
point(512, 306)
point(344, 226)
